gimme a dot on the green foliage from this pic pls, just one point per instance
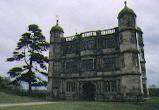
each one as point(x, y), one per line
point(7, 84)
point(154, 91)
point(29, 50)
point(15, 71)
point(12, 88)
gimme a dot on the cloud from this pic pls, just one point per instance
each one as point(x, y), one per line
point(77, 15)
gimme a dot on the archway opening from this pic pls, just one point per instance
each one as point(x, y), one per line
point(89, 91)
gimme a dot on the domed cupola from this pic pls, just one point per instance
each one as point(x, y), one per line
point(126, 11)
point(126, 18)
point(57, 28)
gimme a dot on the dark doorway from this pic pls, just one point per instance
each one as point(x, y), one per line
point(89, 91)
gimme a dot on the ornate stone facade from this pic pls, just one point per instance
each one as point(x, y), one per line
point(98, 65)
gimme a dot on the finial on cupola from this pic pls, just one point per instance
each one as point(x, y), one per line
point(57, 20)
point(125, 3)
point(57, 28)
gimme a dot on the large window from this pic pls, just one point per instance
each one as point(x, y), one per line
point(88, 65)
point(133, 37)
point(70, 86)
point(71, 67)
point(121, 38)
point(70, 47)
point(122, 61)
point(112, 86)
point(88, 44)
point(140, 40)
point(131, 21)
point(108, 42)
point(56, 67)
point(106, 86)
point(110, 62)
point(135, 59)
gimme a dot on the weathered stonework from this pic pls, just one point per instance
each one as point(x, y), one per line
point(103, 65)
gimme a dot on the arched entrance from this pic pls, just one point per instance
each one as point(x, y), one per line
point(88, 91)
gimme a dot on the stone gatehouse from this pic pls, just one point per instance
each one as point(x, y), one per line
point(98, 65)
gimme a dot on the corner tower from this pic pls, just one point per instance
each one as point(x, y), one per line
point(56, 33)
point(126, 18)
point(131, 68)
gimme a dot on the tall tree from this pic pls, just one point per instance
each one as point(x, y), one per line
point(29, 50)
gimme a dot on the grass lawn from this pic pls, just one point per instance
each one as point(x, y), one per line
point(150, 104)
point(10, 98)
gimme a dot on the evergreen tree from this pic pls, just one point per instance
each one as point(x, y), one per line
point(29, 50)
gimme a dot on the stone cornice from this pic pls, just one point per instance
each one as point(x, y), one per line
point(130, 51)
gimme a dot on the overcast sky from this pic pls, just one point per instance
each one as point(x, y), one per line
point(77, 15)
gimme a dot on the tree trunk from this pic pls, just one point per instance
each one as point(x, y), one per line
point(30, 73)
point(30, 88)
